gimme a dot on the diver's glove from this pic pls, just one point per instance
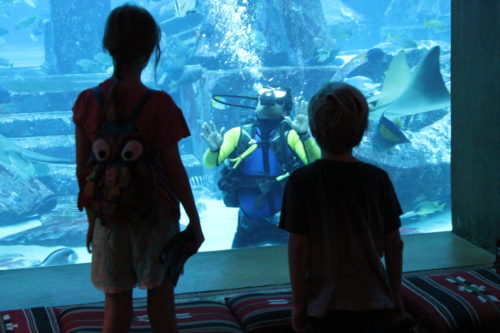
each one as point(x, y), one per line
point(301, 122)
point(211, 136)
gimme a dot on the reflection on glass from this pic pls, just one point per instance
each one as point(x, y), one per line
point(397, 54)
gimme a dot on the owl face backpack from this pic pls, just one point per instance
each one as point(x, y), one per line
point(121, 178)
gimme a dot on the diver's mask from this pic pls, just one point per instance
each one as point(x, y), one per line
point(272, 96)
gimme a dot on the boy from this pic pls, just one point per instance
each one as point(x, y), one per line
point(343, 216)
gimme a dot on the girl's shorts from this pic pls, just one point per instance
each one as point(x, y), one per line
point(128, 255)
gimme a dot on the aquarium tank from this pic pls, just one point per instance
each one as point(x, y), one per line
point(216, 57)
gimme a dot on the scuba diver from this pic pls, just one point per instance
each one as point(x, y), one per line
point(258, 157)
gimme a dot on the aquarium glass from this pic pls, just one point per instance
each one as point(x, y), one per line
point(217, 55)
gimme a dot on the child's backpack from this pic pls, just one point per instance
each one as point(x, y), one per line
point(120, 184)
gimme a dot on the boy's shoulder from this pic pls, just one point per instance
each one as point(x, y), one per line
point(316, 168)
point(374, 169)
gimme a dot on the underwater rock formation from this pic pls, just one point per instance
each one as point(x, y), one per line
point(281, 33)
point(57, 230)
point(420, 169)
point(76, 32)
point(21, 197)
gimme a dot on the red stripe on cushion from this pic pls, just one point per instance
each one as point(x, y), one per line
point(459, 300)
point(191, 317)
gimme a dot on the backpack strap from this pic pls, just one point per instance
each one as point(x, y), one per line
point(100, 97)
point(142, 102)
point(137, 109)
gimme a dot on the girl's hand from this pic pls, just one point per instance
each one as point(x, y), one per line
point(198, 236)
point(398, 313)
point(301, 122)
point(91, 218)
point(90, 234)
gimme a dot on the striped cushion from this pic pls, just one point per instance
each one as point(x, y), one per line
point(202, 316)
point(497, 261)
point(455, 302)
point(34, 320)
point(205, 316)
point(263, 312)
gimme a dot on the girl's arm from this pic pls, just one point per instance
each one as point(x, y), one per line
point(82, 155)
point(179, 182)
point(298, 248)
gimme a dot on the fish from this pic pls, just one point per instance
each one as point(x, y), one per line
point(102, 57)
point(21, 159)
point(216, 103)
point(6, 63)
point(341, 31)
point(37, 29)
point(61, 256)
point(4, 95)
point(324, 56)
point(436, 25)
point(185, 7)
point(388, 134)
point(425, 208)
point(30, 3)
point(189, 75)
point(163, 11)
point(19, 77)
point(25, 22)
point(88, 65)
point(401, 40)
point(405, 92)
point(363, 83)
point(3, 31)
point(258, 40)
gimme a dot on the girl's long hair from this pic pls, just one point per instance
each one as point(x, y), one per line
point(131, 35)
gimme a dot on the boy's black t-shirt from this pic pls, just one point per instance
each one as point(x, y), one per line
point(345, 208)
point(340, 191)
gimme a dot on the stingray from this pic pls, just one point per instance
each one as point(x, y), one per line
point(63, 256)
point(407, 92)
point(21, 159)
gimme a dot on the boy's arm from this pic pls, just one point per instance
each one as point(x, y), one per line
point(298, 248)
point(394, 263)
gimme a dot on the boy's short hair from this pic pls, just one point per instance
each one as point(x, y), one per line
point(338, 117)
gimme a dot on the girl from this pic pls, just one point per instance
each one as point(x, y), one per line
point(127, 254)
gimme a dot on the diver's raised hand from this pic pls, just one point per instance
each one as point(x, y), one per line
point(301, 122)
point(211, 136)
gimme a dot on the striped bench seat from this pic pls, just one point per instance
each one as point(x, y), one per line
point(466, 301)
point(200, 316)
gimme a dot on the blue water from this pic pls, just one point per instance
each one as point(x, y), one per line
point(213, 47)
